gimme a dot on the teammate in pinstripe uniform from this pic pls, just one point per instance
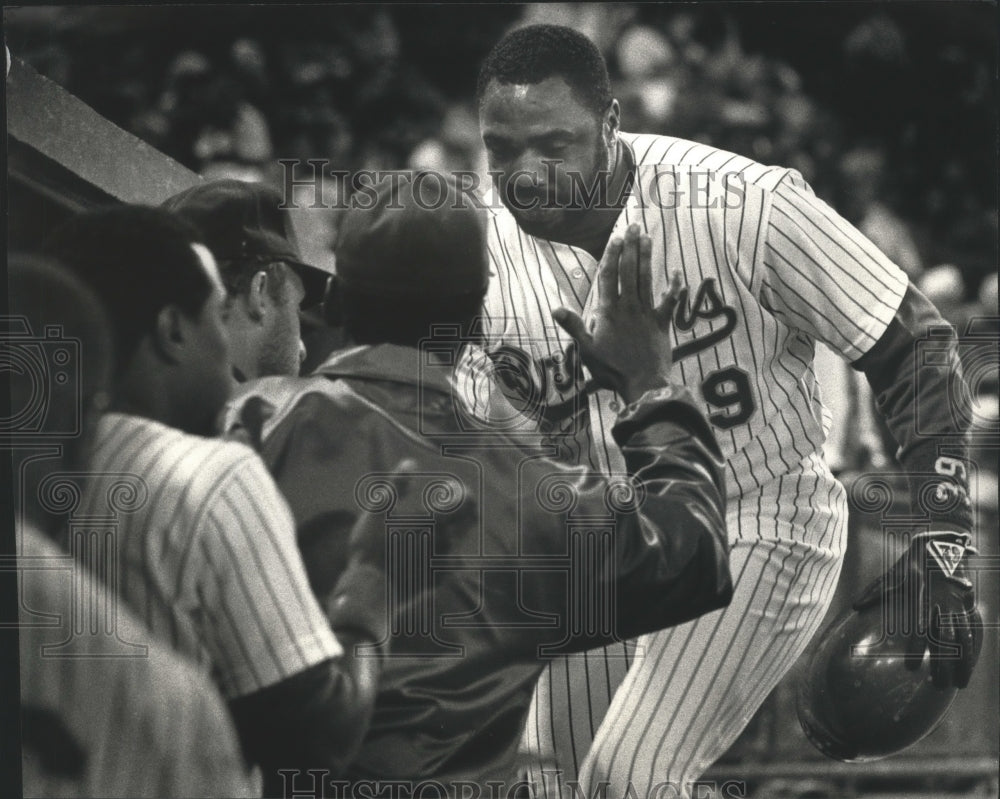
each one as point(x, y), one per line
point(770, 271)
point(205, 542)
point(96, 726)
point(93, 725)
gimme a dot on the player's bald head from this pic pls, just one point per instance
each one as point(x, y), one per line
point(529, 55)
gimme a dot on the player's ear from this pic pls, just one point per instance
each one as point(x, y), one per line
point(612, 124)
point(170, 333)
point(256, 295)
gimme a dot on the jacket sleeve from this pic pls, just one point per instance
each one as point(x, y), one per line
point(916, 375)
point(667, 522)
point(678, 541)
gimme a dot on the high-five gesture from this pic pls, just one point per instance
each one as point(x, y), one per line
point(626, 343)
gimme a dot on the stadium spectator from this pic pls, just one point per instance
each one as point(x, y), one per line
point(945, 287)
point(861, 201)
point(371, 91)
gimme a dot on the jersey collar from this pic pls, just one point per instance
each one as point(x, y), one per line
point(390, 362)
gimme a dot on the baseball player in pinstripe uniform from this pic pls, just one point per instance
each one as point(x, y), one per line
point(770, 270)
point(205, 541)
point(151, 726)
point(92, 725)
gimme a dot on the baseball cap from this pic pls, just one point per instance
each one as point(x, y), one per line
point(420, 237)
point(242, 221)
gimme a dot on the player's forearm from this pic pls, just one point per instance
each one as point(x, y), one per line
point(673, 556)
point(669, 560)
point(315, 719)
point(914, 389)
point(665, 434)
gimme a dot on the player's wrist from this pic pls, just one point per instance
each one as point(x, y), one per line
point(671, 404)
point(654, 396)
point(634, 389)
point(948, 551)
point(959, 536)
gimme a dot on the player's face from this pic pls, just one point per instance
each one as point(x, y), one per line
point(549, 149)
point(282, 351)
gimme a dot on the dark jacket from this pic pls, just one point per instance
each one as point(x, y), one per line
point(559, 560)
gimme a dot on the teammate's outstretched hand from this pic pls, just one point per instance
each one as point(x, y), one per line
point(626, 343)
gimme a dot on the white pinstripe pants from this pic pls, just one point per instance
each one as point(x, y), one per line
point(691, 689)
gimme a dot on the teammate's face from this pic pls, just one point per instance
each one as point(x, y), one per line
point(548, 148)
point(282, 350)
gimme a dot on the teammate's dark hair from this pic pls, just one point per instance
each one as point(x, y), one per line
point(138, 260)
point(49, 298)
point(530, 55)
point(371, 318)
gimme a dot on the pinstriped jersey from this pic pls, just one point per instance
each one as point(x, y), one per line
point(769, 269)
point(151, 725)
point(208, 554)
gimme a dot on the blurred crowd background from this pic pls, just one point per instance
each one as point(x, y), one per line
point(889, 110)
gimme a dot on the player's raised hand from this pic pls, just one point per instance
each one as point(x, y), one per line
point(626, 343)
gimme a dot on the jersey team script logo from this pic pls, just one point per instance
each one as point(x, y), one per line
point(545, 388)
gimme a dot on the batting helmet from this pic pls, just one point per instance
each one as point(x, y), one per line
point(858, 698)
